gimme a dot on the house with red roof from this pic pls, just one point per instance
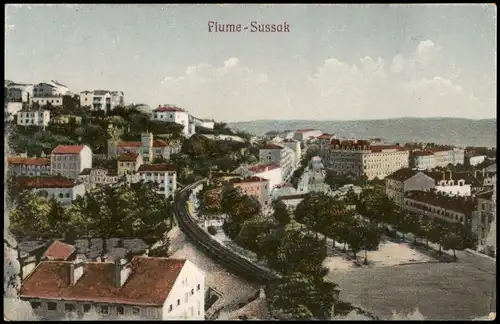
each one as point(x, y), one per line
point(145, 288)
point(305, 134)
point(164, 175)
point(70, 160)
point(62, 189)
point(24, 166)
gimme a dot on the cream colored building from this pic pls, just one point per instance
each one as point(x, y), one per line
point(93, 177)
point(404, 180)
point(485, 215)
point(359, 157)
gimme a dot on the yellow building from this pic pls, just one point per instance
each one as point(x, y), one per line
point(65, 119)
point(129, 163)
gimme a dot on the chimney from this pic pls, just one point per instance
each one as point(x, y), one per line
point(75, 271)
point(122, 271)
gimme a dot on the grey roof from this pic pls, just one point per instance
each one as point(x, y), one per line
point(112, 248)
point(45, 83)
point(100, 92)
point(31, 246)
point(57, 83)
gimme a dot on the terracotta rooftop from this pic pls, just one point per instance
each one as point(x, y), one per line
point(422, 153)
point(68, 149)
point(28, 161)
point(171, 109)
point(47, 182)
point(246, 180)
point(450, 203)
point(291, 197)
point(128, 157)
point(263, 167)
point(58, 251)
point(157, 168)
point(325, 136)
point(402, 174)
point(161, 143)
point(271, 146)
point(129, 144)
point(149, 283)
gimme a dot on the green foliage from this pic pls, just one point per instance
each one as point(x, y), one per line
point(238, 206)
point(301, 297)
point(161, 249)
point(251, 228)
point(281, 213)
point(112, 211)
point(335, 180)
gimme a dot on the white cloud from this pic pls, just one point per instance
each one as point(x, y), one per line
point(421, 83)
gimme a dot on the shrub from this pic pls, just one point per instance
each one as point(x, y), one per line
point(212, 230)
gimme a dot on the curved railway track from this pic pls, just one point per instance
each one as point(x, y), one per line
point(218, 252)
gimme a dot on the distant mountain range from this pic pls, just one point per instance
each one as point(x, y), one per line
point(455, 131)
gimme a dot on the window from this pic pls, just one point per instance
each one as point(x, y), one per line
point(61, 195)
point(69, 307)
point(170, 308)
point(120, 310)
point(67, 195)
point(86, 308)
point(186, 297)
point(192, 291)
point(136, 310)
point(104, 310)
point(178, 302)
point(51, 306)
point(36, 305)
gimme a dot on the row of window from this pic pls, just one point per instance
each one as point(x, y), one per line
point(65, 157)
point(186, 298)
point(60, 195)
point(42, 101)
point(29, 166)
point(102, 309)
point(434, 210)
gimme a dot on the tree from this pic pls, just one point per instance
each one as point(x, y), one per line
point(281, 213)
point(301, 297)
point(437, 232)
point(363, 235)
point(251, 228)
point(452, 240)
point(239, 207)
point(161, 249)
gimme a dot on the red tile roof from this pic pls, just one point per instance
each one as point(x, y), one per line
point(325, 136)
point(58, 251)
point(157, 168)
point(68, 149)
point(128, 157)
point(28, 161)
point(171, 109)
point(422, 153)
point(271, 146)
point(129, 144)
point(263, 167)
point(246, 180)
point(149, 283)
point(47, 182)
point(460, 205)
point(380, 148)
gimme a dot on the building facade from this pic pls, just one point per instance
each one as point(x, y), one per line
point(164, 175)
point(11, 109)
point(94, 177)
point(171, 113)
point(455, 183)
point(55, 101)
point(277, 154)
point(50, 89)
point(39, 118)
point(19, 92)
point(253, 186)
point(271, 172)
point(485, 215)
point(423, 160)
point(102, 99)
point(164, 149)
point(61, 189)
point(404, 180)
point(70, 160)
point(145, 288)
point(359, 157)
point(128, 163)
point(306, 134)
point(31, 167)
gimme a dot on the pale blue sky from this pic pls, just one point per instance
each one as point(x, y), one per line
point(338, 62)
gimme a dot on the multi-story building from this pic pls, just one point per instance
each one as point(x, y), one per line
point(253, 186)
point(171, 113)
point(11, 109)
point(61, 189)
point(271, 172)
point(455, 183)
point(19, 92)
point(50, 89)
point(323, 141)
point(55, 101)
point(277, 154)
point(205, 123)
point(475, 160)
point(101, 99)
point(359, 157)
point(448, 155)
point(422, 160)
point(431, 204)
point(145, 288)
point(295, 146)
point(70, 160)
point(164, 175)
point(306, 134)
point(39, 118)
point(491, 238)
point(485, 215)
point(128, 163)
point(164, 149)
point(94, 177)
point(32, 167)
point(404, 180)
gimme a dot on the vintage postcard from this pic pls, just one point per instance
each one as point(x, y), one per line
point(258, 161)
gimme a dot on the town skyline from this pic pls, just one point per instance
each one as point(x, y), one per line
point(341, 62)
